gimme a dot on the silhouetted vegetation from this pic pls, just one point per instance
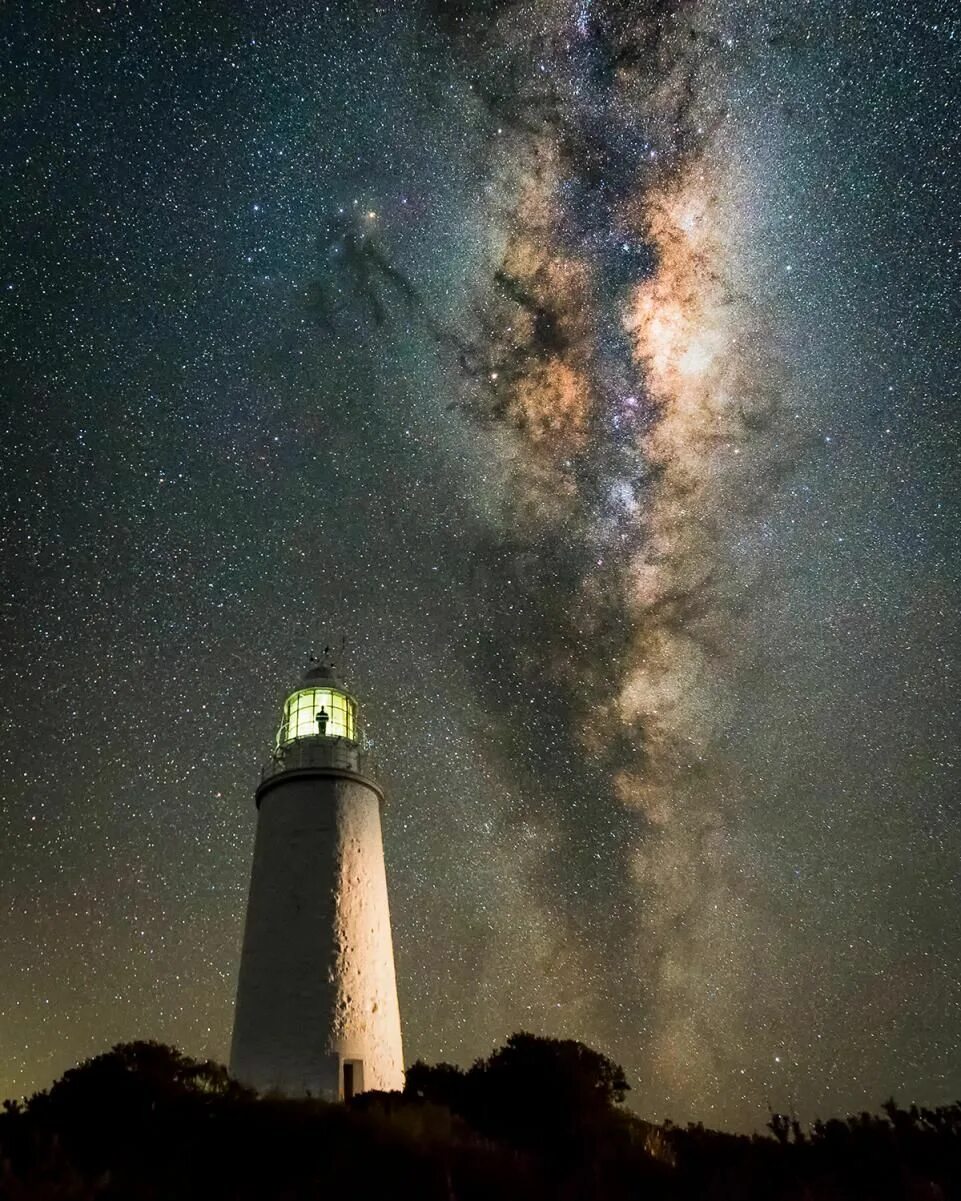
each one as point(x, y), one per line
point(538, 1119)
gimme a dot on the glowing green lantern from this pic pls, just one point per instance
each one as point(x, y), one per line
point(322, 711)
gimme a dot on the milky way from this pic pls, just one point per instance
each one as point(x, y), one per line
point(645, 424)
point(589, 366)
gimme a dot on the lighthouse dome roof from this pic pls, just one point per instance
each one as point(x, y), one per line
point(322, 675)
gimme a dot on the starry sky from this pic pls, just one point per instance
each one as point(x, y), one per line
point(588, 372)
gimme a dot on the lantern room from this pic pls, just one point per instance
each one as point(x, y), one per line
point(320, 707)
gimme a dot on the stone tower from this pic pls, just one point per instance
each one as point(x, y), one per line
point(317, 1009)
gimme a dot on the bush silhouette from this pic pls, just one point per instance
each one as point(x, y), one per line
point(538, 1119)
point(532, 1092)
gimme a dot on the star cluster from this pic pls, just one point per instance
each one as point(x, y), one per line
point(591, 369)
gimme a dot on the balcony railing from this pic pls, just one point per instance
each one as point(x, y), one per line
point(316, 751)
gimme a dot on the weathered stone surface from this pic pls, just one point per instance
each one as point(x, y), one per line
point(317, 984)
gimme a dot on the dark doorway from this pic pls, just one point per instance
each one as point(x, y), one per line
point(348, 1080)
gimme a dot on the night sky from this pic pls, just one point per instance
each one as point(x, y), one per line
point(592, 370)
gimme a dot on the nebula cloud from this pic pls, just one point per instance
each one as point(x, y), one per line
point(618, 360)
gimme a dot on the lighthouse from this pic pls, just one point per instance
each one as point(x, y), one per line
point(317, 1011)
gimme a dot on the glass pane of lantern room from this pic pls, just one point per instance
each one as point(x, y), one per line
point(338, 716)
point(323, 699)
point(300, 717)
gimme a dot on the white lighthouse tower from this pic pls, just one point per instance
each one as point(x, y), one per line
point(317, 1011)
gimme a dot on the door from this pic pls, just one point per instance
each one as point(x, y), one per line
point(352, 1080)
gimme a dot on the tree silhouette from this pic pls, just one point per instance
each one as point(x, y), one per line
point(539, 1119)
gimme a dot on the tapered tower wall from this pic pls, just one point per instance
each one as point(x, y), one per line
point(317, 989)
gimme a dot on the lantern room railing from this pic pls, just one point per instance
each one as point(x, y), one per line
point(318, 751)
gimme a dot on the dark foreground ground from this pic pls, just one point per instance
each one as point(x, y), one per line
point(538, 1119)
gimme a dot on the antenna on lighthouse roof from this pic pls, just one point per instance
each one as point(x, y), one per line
point(324, 659)
point(328, 657)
